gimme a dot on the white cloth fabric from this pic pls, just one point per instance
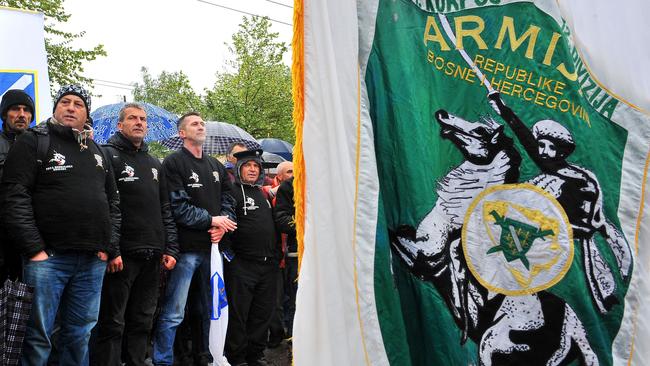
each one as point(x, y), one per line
point(219, 311)
point(22, 41)
point(336, 319)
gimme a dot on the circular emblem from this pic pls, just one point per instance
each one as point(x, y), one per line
point(517, 239)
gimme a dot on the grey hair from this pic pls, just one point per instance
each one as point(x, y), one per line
point(122, 115)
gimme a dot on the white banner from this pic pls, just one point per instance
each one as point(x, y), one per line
point(337, 316)
point(23, 60)
point(219, 309)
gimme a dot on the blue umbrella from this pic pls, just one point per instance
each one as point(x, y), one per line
point(278, 147)
point(160, 123)
point(219, 135)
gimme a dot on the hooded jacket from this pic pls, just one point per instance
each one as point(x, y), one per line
point(255, 237)
point(147, 221)
point(67, 201)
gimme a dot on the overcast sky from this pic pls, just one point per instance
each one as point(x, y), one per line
point(167, 35)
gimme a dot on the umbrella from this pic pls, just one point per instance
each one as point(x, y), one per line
point(161, 124)
point(271, 160)
point(277, 146)
point(218, 136)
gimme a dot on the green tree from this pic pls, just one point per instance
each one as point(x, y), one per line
point(255, 93)
point(170, 90)
point(65, 63)
point(157, 150)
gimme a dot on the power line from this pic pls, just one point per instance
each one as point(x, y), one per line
point(112, 82)
point(244, 12)
point(113, 86)
point(279, 3)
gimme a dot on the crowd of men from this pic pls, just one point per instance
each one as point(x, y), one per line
point(113, 241)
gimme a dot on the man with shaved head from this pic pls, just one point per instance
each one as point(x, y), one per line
point(278, 324)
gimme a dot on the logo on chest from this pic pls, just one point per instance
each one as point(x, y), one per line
point(57, 163)
point(194, 178)
point(249, 204)
point(128, 174)
point(100, 161)
point(154, 172)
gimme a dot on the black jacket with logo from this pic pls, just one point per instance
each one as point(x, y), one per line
point(198, 189)
point(147, 222)
point(69, 201)
point(255, 237)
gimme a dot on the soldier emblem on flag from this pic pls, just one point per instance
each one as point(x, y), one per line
point(517, 239)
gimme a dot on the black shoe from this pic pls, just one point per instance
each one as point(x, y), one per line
point(274, 343)
point(184, 360)
point(259, 362)
point(202, 360)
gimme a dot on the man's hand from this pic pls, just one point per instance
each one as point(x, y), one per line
point(103, 256)
point(40, 256)
point(168, 262)
point(224, 223)
point(115, 265)
point(216, 233)
point(496, 102)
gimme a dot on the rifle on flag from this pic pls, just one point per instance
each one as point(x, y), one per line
point(447, 28)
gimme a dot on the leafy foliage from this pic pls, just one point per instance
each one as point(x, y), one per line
point(157, 150)
point(170, 90)
point(256, 94)
point(65, 63)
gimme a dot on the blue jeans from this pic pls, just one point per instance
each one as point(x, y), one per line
point(173, 305)
point(70, 283)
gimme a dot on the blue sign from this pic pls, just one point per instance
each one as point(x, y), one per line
point(218, 295)
point(23, 80)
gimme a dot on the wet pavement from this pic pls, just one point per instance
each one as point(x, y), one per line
point(278, 356)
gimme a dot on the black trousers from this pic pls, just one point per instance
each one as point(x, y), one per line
point(11, 263)
point(290, 289)
point(276, 326)
point(126, 312)
point(251, 287)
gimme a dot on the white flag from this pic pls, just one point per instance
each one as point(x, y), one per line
point(23, 61)
point(380, 92)
point(219, 309)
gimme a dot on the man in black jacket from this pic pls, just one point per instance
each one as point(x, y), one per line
point(285, 220)
point(251, 275)
point(62, 212)
point(17, 112)
point(202, 206)
point(148, 240)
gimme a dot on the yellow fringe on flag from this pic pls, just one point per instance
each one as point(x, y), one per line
point(298, 89)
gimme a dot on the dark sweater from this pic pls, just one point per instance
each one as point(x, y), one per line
point(285, 213)
point(6, 141)
point(144, 202)
point(64, 202)
point(198, 189)
point(255, 237)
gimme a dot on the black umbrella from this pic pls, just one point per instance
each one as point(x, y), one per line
point(278, 147)
point(219, 135)
point(271, 160)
